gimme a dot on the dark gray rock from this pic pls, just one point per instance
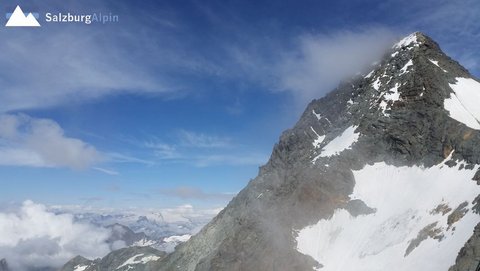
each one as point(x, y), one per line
point(430, 231)
point(469, 256)
point(357, 207)
point(457, 214)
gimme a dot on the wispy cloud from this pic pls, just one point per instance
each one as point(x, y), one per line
point(200, 140)
point(85, 69)
point(315, 63)
point(107, 171)
point(321, 61)
point(86, 63)
point(202, 150)
point(116, 157)
point(163, 151)
point(27, 141)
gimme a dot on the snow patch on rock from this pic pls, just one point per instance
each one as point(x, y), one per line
point(405, 68)
point(434, 62)
point(178, 239)
point(340, 143)
point(463, 102)
point(80, 267)
point(376, 85)
point(407, 41)
point(139, 259)
point(316, 143)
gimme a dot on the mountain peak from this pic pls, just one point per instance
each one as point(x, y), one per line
point(414, 72)
point(415, 39)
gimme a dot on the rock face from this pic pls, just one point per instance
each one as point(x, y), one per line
point(132, 258)
point(469, 257)
point(406, 122)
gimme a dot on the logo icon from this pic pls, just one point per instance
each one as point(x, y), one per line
point(18, 18)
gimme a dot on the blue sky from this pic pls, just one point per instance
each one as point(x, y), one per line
point(181, 101)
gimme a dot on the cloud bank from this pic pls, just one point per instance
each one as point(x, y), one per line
point(27, 141)
point(32, 237)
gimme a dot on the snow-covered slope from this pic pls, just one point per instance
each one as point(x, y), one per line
point(339, 144)
point(419, 213)
point(416, 216)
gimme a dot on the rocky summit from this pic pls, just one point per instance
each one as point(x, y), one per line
point(380, 174)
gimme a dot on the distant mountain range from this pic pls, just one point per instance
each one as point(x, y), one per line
point(157, 225)
point(152, 230)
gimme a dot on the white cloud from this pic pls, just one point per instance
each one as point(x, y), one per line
point(311, 65)
point(202, 150)
point(78, 69)
point(116, 157)
point(163, 151)
point(33, 237)
point(27, 141)
point(320, 61)
point(107, 171)
point(64, 65)
point(200, 140)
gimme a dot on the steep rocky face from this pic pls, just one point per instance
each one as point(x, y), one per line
point(469, 257)
point(407, 121)
point(132, 258)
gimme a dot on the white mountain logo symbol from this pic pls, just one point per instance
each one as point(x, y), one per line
point(19, 18)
